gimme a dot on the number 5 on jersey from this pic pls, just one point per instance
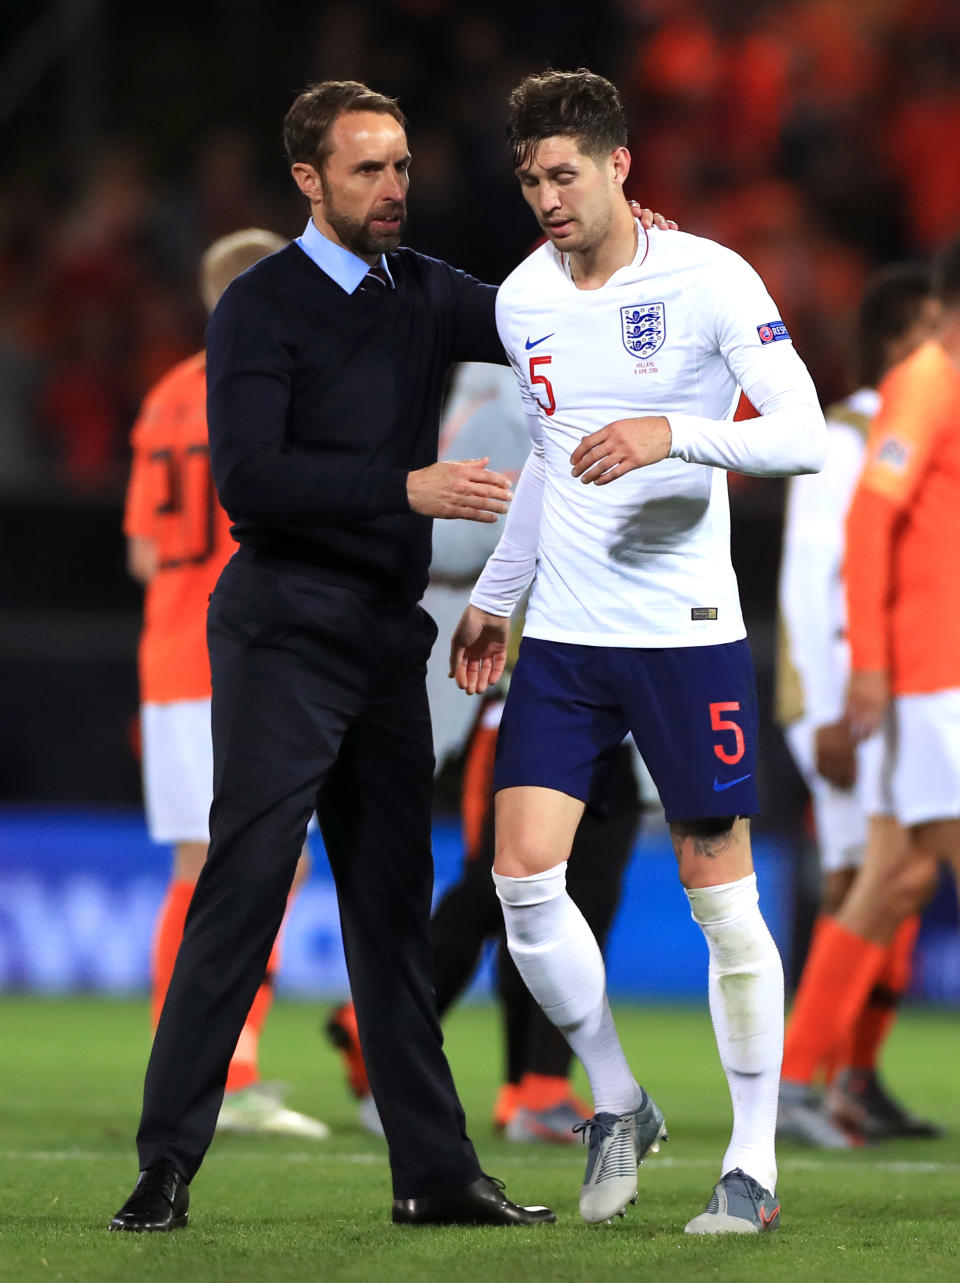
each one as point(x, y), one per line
point(549, 407)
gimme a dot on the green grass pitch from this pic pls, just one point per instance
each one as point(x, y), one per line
point(276, 1210)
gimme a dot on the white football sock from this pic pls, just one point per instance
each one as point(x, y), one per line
point(746, 1004)
point(559, 959)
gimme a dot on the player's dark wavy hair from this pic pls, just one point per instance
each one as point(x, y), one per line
point(891, 303)
point(306, 126)
point(577, 104)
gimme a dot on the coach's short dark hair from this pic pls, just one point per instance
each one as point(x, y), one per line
point(578, 104)
point(306, 126)
point(946, 274)
point(891, 303)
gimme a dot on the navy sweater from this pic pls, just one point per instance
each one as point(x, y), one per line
point(320, 402)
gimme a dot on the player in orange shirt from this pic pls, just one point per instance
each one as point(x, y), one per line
point(178, 540)
point(903, 603)
point(897, 314)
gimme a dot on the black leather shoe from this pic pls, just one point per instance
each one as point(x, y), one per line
point(481, 1203)
point(158, 1202)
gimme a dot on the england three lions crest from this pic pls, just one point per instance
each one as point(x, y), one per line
point(644, 328)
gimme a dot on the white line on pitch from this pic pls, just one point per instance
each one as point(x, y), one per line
point(506, 1160)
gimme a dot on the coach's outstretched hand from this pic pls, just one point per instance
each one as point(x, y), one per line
point(459, 488)
point(620, 447)
point(478, 651)
point(649, 219)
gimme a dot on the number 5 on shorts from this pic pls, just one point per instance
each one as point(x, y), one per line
point(719, 723)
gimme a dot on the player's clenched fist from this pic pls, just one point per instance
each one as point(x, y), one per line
point(835, 754)
point(459, 488)
point(620, 447)
point(478, 651)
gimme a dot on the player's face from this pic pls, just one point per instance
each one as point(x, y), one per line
point(364, 181)
point(573, 195)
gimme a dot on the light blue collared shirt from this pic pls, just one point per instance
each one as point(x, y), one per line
point(340, 264)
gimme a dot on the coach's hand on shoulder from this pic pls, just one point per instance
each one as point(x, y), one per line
point(868, 695)
point(478, 651)
point(835, 754)
point(649, 219)
point(459, 488)
point(621, 447)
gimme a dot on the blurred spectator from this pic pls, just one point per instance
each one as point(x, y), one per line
point(819, 135)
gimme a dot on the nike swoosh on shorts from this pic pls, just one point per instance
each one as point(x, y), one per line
point(529, 345)
point(719, 788)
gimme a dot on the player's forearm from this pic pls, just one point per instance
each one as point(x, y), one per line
point(867, 571)
point(785, 440)
point(513, 563)
point(142, 558)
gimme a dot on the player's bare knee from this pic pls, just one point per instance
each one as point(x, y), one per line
point(302, 874)
point(910, 889)
point(709, 838)
point(836, 888)
point(928, 877)
point(188, 859)
point(520, 859)
point(711, 850)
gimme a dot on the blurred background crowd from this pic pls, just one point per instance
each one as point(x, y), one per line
point(819, 138)
point(816, 137)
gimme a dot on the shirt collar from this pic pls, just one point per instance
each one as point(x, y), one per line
point(340, 264)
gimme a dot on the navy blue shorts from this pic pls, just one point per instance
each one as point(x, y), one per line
point(692, 711)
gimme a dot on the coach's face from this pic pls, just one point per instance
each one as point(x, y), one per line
point(573, 195)
point(358, 197)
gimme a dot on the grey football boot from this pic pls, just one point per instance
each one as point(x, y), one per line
point(555, 1125)
point(618, 1144)
point(738, 1205)
point(801, 1117)
point(858, 1102)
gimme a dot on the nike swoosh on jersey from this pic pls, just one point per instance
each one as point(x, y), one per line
point(529, 345)
point(718, 787)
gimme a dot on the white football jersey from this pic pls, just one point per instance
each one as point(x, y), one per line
point(644, 560)
point(812, 598)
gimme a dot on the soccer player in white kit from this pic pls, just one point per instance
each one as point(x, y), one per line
point(630, 348)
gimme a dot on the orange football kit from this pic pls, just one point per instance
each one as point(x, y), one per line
point(903, 590)
point(903, 598)
point(171, 501)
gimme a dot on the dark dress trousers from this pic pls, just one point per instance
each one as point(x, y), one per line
point(319, 404)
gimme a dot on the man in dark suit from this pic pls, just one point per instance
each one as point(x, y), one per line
point(325, 369)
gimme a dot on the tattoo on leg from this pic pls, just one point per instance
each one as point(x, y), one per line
point(710, 837)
